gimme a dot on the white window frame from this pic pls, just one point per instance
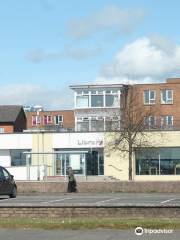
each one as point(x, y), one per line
point(150, 100)
point(96, 92)
point(37, 120)
point(167, 100)
point(147, 121)
point(48, 121)
point(164, 121)
point(58, 121)
point(2, 130)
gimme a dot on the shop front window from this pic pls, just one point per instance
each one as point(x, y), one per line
point(158, 161)
point(18, 157)
point(89, 162)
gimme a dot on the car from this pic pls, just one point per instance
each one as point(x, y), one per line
point(7, 183)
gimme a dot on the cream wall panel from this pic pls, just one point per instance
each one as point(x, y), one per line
point(42, 147)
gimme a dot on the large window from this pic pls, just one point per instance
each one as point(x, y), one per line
point(167, 96)
point(97, 101)
point(158, 161)
point(86, 162)
point(82, 124)
point(97, 98)
point(18, 157)
point(97, 124)
point(82, 101)
point(112, 101)
point(149, 97)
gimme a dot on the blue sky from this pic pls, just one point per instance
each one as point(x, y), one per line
point(47, 45)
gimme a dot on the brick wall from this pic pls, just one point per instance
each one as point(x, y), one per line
point(86, 212)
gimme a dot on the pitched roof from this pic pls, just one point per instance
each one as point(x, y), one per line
point(9, 113)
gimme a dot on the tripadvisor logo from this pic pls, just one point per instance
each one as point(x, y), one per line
point(139, 231)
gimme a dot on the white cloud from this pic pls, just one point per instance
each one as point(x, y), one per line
point(144, 60)
point(110, 17)
point(27, 94)
point(40, 55)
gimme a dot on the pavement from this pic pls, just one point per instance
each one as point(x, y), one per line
point(80, 199)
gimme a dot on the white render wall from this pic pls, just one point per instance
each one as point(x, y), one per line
point(15, 141)
point(78, 140)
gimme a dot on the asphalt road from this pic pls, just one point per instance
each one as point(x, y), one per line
point(79, 199)
point(31, 234)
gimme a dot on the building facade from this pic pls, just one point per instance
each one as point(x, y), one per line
point(62, 120)
point(97, 108)
point(12, 119)
point(160, 104)
point(35, 156)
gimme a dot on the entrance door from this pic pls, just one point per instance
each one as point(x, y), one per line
point(95, 163)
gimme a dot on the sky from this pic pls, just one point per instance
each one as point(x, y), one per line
point(48, 45)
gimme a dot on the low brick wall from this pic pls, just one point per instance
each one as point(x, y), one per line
point(87, 212)
point(87, 187)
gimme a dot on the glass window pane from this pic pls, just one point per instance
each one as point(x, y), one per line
point(97, 125)
point(152, 95)
point(161, 161)
point(18, 158)
point(83, 126)
point(112, 101)
point(163, 96)
point(82, 101)
point(97, 101)
point(146, 96)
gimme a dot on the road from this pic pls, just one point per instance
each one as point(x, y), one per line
point(38, 234)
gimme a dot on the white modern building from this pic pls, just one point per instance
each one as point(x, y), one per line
point(35, 156)
point(97, 107)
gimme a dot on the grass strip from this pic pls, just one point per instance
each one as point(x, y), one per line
point(89, 223)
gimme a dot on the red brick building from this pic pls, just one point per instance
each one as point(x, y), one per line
point(12, 119)
point(51, 120)
point(159, 103)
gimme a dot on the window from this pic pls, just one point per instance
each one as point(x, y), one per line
point(82, 101)
point(18, 158)
point(150, 121)
point(149, 97)
point(36, 120)
point(97, 125)
point(83, 125)
point(112, 100)
point(158, 161)
point(97, 98)
point(58, 119)
point(1, 130)
point(47, 119)
point(166, 122)
point(97, 101)
point(166, 96)
point(112, 123)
